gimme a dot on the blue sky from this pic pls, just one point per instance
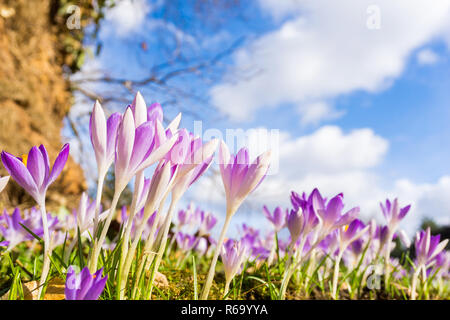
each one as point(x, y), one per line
point(360, 109)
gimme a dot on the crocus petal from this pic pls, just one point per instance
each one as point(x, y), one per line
point(86, 283)
point(125, 143)
point(46, 160)
point(97, 132)
point(59, 164)
point(36, 166)
point(70, 289)
point(155, 112)
point(20, 174)
point(256, 173)
point(142, 143)
point(404, 211)
point(112, 126)
point(158, 153)
point(139, 109)
point(173, 126)
point(347, 218)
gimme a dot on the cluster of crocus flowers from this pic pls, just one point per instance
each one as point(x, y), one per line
point(314, 240)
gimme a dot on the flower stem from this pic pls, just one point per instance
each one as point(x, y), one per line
point(98, 243)
point(227, 288)
point(209, 279)
point(47, 249)
point(336, 274)
point(387, 255)
point(414, 283)
point(145, 263)
point(163, 242)
point(98, 199)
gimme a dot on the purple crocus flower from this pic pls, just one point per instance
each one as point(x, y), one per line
point(192, 157)
point(301, 223)
point(393, 213)
point(240, 176)
point(155, 112)
point(85, 213)
point(428, 247)
point(84, 286)
point(103, 135)
point(351, 233)
point(278, 219)
point(208, 221)
point(330, 214)
point(233, 255)
point(185, 241)
point(136, 148)
point(12, 231)
point(184, 216)
point(32, 172)
point(202, 246)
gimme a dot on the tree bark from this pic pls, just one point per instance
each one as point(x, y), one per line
point(35, 95)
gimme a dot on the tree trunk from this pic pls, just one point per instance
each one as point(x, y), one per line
point(35, 95)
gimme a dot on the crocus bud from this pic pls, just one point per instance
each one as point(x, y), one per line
point(239, 176)
point(103, 135)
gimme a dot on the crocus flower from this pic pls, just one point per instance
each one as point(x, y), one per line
point(202, 246)
point(136, 148)
point(11, 226)
point(192, 157)
point(354, 231)
point(103, 135)
point(85, 213)
point(12, 231)
point(3, 182)
point(278, 219)
point(84, 286)
point(393, 213)
point(185, 241)
point(330, 213)
point(240, 177)
point(233, 255)
point(428, 247)
point(184, 217)
point(32, 172)
point(208, 221)
point(345, 236)
point(301, 222)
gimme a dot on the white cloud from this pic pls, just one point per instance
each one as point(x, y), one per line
point(427, 57)
point(127, 16)
point(334, 162)
point(325, 51)
point(316, 112)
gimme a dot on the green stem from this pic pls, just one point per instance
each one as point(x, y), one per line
point(209, 279)
point(163, 242)
point(98, 243)
point(47, 249)
point(336, 274)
